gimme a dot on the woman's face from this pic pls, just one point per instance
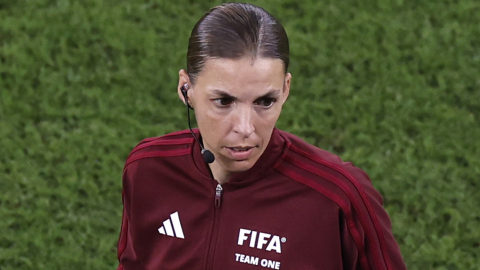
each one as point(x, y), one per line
point(237, 103)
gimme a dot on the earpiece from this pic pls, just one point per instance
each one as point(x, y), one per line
point(184, 90)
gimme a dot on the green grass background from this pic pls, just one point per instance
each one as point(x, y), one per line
point(392, 85)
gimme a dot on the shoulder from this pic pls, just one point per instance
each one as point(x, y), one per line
point(351, 189)
point(174, 144)
point(344, 184)
point(297, 145)
point(325, 172)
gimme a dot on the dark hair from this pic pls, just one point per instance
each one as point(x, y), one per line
point(235, 30)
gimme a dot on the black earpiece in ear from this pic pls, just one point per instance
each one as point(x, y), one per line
point(184, 90)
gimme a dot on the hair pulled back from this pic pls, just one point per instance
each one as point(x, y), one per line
point(236, 30)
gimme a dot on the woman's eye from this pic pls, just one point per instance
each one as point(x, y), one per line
point(266, 102)
point(223, 102)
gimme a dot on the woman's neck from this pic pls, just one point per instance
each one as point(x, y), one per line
point(219, 174)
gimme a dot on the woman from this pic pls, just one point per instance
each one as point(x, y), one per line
point(240, 194)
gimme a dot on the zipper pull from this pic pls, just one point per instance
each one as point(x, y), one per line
point(218, 196)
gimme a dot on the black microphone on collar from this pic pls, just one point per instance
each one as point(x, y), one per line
point(208, 156)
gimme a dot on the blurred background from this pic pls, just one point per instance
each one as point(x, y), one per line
point(391, 85)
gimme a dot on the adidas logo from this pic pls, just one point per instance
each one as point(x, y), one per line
point(172, 225)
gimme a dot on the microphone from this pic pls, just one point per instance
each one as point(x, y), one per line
point(208, 156)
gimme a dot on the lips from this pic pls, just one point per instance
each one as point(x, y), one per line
point(240, 152)
point(240, 149)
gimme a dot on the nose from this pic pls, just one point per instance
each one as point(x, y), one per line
point(244, 122)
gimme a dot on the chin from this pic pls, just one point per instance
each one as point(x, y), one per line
point(241, 166)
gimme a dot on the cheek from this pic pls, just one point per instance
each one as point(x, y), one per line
point(212, 126)
point(212, 119)
point(268, 119)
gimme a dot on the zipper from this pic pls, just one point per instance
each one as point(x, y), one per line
point(215, 228)
point(218, 196)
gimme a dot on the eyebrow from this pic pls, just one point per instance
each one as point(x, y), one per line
point(227, 95)
point(221, 93)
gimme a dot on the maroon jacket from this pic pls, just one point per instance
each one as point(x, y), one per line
point(299, 207)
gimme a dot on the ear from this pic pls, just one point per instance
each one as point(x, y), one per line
point(183, 79)
point(286, 86)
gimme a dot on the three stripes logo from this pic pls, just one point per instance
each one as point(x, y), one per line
point(172, 227)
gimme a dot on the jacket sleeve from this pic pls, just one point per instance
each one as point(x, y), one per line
point(127, 256)
point(122, 242)
point(367, 238)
